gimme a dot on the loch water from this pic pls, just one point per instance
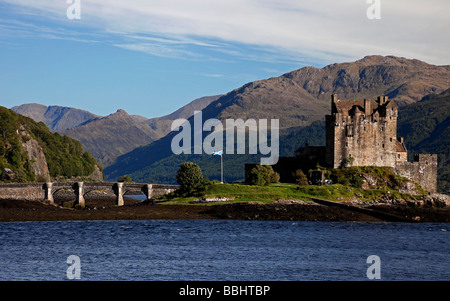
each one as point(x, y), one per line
point(223, 250)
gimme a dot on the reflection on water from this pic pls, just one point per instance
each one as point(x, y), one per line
point(139, 197)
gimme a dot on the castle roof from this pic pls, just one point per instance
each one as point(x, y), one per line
point(400, 147)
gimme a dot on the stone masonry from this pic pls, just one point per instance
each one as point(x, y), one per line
point(364, 133)
point(361, 132)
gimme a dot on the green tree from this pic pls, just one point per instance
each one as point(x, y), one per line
point(256, 177)
point(125, 178)
point(300, 178)
point(190, 179)
point(262, 175)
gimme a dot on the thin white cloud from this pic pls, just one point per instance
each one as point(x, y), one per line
point(213, 75)
point(160, 50)
point(325, 30)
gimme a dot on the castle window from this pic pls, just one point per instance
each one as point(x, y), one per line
point(383, 145)
point(349, 130)
point(398, 156)
point(390, 139)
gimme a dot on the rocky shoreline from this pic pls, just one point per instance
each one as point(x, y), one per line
point(431, 210)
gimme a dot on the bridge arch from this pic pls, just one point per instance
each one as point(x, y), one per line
point(120, 189)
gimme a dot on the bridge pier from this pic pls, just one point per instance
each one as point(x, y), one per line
point(79, 194)
point(148, 191)
point(48, 193)
point(50, 188)
point(119, 194)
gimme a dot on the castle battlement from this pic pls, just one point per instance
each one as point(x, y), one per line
point(362, 132)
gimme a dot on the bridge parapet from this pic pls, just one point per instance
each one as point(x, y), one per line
point(46, 191)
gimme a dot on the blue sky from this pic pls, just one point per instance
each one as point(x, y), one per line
point(151, 57)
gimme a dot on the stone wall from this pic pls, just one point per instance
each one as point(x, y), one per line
point(423, 171)
point(30, 192)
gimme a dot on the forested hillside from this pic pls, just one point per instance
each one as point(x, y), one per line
point(63, 156)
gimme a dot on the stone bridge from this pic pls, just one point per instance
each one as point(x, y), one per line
point(46, 191)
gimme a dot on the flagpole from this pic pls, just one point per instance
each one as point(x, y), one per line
point(219, 153)
point(221, 168)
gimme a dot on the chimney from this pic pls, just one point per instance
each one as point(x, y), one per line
point(334, 99)
point(367, 107)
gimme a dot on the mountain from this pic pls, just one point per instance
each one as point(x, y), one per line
point(405, 80)
point(108, 137)
point(57, 118)
point(119, 133)
point(425, 125)
point(30, 152)
point(299, 99)
point(162, 124)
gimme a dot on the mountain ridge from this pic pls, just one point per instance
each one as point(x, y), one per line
point(57, 118)
point(299, 99)
point(119, 131)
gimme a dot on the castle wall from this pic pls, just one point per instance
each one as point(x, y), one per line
point(369, 139)
point(423, 171)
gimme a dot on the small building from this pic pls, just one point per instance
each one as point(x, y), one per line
point(402, 154)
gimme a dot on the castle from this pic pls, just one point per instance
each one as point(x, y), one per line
point(364, 133)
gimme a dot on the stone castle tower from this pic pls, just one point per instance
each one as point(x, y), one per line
point(364, 133)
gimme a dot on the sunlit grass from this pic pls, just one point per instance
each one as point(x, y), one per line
point(274, 192)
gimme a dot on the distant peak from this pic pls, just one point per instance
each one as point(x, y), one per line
point(119, 114)
point(390, 59)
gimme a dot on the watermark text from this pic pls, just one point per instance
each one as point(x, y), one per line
point(234, 134)
point(74, 10)
point(74, 270)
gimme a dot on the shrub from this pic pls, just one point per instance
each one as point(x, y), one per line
point(256, 177)
point(275, 177)
point(262, 175)
point(300, 178)
point(191, 180)
point(124, 178)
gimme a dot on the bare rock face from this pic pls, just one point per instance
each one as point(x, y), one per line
point(7, 175)
point(36, 158)
point(97, 175)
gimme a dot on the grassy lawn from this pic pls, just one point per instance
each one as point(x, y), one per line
point(274, 192)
